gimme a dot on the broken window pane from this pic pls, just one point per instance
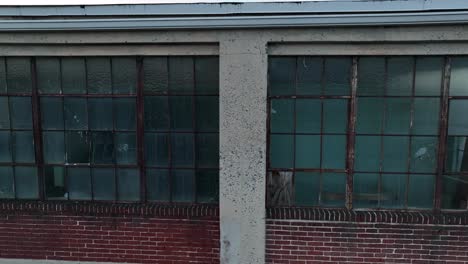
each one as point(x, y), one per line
point(424, 154)
point(458, 123)
point(207, 186)
point(77, 146)
point(456, 160)
point(280, 188)
point(55, 183)
point(454, 192)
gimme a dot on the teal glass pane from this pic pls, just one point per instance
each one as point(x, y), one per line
point(19, 75)
point(181, 75)
point(306, 188)
point(100, 114)
point(55, 188)
point(73, 75)
point(309, 75)
point(429, 72)
point(421, 191)
point(456, 160)
point(124, 75)
point(183, 185)
point(365, 190)
point(367, 153)
point(20, 112)
point(281, 151)
point(4, 113)
point(207, 186)
point(398, 116)
point(207, 150)
point(77, 147)
point(182, 150)
point(76, 113)
point(458, 123)
point(369, 115)
point(5, 147)
point(333, 151)
point(103, 184)
point(27, 186)
point(393, 191)
point(98, 71)
point(400, 76)
point(128, 185)
point(454, 192)
point(157, 185)
point(155, 75)
point(335, 116)
point(3, 79)
point(48, 75)
point(206, 75)
point(23, 146)
point(282, 116)
point(308, 115)
point(52, 113)
point(337, 76)
point(53, 147)
point(79, 183)
point(371, 76)
point(125, 148)
point(395, 153)
point(307, 151)
point(426, 116)
point(282, 75)
point(7, 188)
point(459, 76)
point(157, 149)
point(125, 113)
point(181, 108)
point(156, 113)
point(333, 189)
point(424, 154)
point(207, 117)
point(102, 148)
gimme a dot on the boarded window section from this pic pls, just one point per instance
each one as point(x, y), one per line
point(88, 120)
point(397, 104)
point(397, 128)
point(18, 172)
point(181, 128)
point(309, 102)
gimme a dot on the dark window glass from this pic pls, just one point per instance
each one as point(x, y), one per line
point(400, 76)
point(333, 151)
point(76, 113)
point(367, 153)
point(156, 113)
point(19, 75)
point(207, 147)
point(54, 147)
point(125, 148)
point(52, 113)
point(181, 111)
point(156, 78)
point(335, 116)
point(5, 146)
point(4, 113)
point(48, 75)
point(371, 74)
point(157, 149)
point(307, 151)
point(102, 148)
point(55, 183)
point(206, 75)
point(20, 112)
point(207, 186)
point(282, 116)
point(125, 113)
point(459, 76)
point(309, 76)
point(103, 184)
point(333, 189)
point(183, 185)
point(426, 113)
point(73, 75)
point(282, 76)
point(281, 151)
point(456, 160)
point(7, 188)
point(370, 113)
point(454, 192)
point(79, 183)
point(100, 114)
point(207, 115)
point(128, 185)
point(3, 78)
point(22, 144)
point(181, 75)
point(307, 188)
point(308, 116)
point(366, 190)
point(428, 79)
point(98, 72)
point(26, 183)
point(182, 150)
point(421, 191)
point(157, 185)
point(393, 190)
point(337, 76)
point(77, 147)
point(397, 116)
point(124, 75)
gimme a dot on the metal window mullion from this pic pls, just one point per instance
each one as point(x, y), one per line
point(382, 132)
point(37, 132)
point(442, 133)
point(169, 134)
point(322, 96)
point(195, 134)
point(410, 141)
point(351, 134)
point(140, 129)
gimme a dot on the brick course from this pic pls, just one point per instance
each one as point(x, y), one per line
point(137, 234)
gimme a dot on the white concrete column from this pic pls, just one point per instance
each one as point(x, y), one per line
point(243, 93)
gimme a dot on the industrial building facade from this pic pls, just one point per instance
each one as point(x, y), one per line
point(315, 132)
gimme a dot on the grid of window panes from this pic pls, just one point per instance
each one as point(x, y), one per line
point(107, 126)
point(18, 168)
point(395, 151)
point(455, 178)
point(308, 104)
point(182, 143)
point(397, 129)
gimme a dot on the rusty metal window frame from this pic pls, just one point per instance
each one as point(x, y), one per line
point(139, 131)
point(351, 134)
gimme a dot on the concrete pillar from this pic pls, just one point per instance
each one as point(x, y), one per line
point(243, 93)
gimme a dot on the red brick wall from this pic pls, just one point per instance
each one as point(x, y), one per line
point(365, 240)
point(121, 234)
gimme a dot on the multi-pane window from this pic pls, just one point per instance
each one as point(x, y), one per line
point(367, 131)
point(109, 128)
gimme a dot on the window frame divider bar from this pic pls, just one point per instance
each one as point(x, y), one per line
point(351, 134)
